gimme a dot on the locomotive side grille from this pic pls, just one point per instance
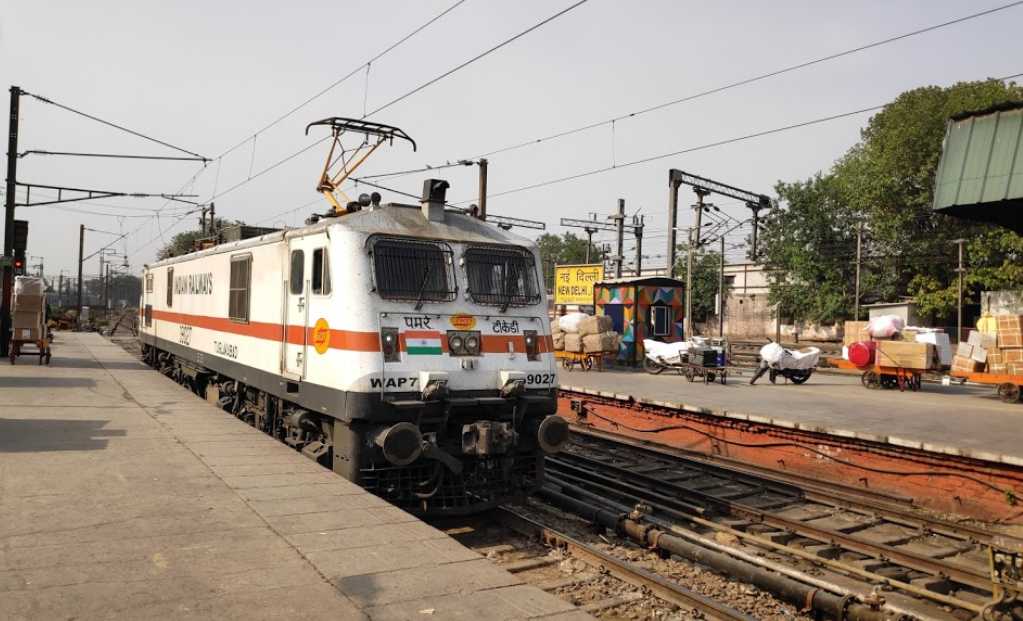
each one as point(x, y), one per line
point(483, 482)
point(502, 276)
point(413, 270)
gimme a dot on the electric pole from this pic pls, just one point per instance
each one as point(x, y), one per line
point(637, 227)
point(619, 219)
point(959, 308)
point(859, 256)
point(81, 248)
point(689, 288)
point(483, 188)
point(721, 291)
point(11, 188)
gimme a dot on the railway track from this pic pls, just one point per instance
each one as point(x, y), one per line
point(870, 550)
point(592, 579)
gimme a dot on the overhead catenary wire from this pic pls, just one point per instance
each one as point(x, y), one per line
point(115, 125)
point(480, 56)
point(345, 77)
point(749, 80)
point(406, 95)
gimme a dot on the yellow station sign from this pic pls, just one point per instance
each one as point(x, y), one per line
point(573, 284)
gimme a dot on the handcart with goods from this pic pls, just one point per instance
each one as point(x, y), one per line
point(29, 333)
point(1009, 387)
point(585, 360)
point(883, 365)
point(704, 360)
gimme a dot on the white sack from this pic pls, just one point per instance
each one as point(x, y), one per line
point(781, 358)
point(570, 322)
point(670, 353)
point(885, 326)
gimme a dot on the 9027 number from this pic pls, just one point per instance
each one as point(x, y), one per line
point(540, 378)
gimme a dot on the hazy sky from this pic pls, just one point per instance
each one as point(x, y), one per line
point(207, 75)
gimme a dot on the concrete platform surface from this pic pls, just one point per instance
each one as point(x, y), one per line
point(122, 496)
point(963, 420)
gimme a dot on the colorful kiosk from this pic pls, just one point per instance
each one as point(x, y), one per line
point(650, 307)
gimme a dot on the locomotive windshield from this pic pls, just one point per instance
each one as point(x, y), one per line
point(503, 276)
point(413, 270)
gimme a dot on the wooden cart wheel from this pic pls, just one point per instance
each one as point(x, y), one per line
point(1009, 392)
point(870, 380)
point(48, 356)
point(587, 363)
point(566, 363)
point(724, 376)
point(709, 378)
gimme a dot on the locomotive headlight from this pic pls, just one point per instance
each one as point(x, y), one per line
point(389, 344)
point(463, 343)
point(532, 344)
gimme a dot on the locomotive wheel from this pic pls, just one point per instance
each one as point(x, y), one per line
point(652, 367)
point(870, 380)
point(1009, 392)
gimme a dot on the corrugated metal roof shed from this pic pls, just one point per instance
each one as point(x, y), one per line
point(980, 176)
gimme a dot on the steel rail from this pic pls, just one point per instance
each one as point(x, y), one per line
point(579, 487)
point(891, 554)
point(846, 497)
point(623, 570)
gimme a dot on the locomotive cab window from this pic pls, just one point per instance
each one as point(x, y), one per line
point(413, 270)
point(502, 276)
point(170, 286)
point(321, 272)
point(241, 282)
point(297, 276)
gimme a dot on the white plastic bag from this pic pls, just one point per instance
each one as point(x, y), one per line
point(670, 353)
point(885, 326)
point(780, 358)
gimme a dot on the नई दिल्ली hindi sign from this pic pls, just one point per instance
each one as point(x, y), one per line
point(573, 284)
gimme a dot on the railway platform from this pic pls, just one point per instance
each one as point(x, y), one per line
point(124, 497)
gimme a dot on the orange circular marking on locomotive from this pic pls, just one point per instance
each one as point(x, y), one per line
point(321, 336)
point(462, 322)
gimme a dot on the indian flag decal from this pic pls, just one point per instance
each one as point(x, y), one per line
point(423, 343)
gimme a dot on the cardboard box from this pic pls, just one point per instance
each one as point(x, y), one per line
point(28, 302)
point(908, 334)
point(27, 319)
point(573, 343)
point(855, 332)
point(981, 339)
point(964, 365)
point(27, 334)
point(964, 350)
point(1015, 368)
point(998, 369)
point(905, 354)
point(559, 341)
point(1010, 339)
point(1012, 355)
point(1010, 323)
point(979, 354)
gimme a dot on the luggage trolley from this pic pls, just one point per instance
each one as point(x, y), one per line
point(42, 349)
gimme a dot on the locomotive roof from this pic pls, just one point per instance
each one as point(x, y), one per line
point(393, 219)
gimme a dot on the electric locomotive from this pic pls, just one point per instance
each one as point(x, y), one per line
point(407, 347)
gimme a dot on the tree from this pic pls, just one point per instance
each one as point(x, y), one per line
point(706, 272)
point(886, 181)
point(567, 249)
point(184, 242)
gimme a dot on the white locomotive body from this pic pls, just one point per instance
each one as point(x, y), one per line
point(407, 347)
